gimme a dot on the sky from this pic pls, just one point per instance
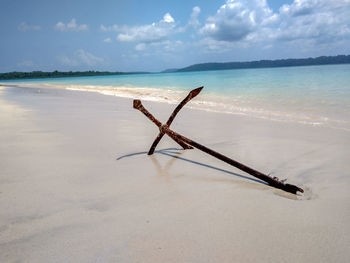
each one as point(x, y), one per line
point(154, 35)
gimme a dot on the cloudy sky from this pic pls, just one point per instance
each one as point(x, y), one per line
point(153, 35)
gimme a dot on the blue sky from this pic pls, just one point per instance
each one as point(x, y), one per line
point(130, 35)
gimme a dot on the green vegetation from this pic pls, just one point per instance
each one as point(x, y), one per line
point(58, 74)
point(324, 60)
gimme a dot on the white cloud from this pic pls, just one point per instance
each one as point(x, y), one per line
point(209, 45)
point(109, 28)
point(154, 32)
point(235, 20)
point(80, 58)
point(71, 26)
point(141, 47)
point(87, 58)
point(165, 46)
point(305, 22)
point(68, 61)
point(194, 22)
point(299, 7)
point(168, 18)
point(107, 40)
point(318, 20)
point(25, 27)
point(172, 46)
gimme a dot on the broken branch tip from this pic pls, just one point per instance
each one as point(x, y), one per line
point(137, 104)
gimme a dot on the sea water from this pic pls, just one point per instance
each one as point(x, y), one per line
point(311, 95)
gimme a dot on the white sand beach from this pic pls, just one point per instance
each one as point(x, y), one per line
point(76, 185)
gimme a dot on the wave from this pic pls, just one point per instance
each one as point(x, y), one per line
point(237, 105)
point(280, 110)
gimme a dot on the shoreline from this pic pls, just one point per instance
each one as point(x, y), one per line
point(208, 102)
point(66, 196)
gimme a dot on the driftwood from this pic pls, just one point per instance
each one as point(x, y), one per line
point(190, 96)
point(185, 143)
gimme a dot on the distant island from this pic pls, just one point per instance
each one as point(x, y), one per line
point(59, 74)
point(291, 62)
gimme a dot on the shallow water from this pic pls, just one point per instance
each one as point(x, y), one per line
point(312, 95)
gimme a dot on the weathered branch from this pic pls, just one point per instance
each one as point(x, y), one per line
point(190, 96)
point(272, 181)
point(138, 105)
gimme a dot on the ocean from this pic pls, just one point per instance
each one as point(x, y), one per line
point(310, 95)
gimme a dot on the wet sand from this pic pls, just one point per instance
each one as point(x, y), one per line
point(76, 185)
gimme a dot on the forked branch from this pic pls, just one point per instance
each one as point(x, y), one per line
point(182, 140)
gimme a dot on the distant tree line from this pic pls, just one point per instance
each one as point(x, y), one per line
point(324, 60)
point(57, 74)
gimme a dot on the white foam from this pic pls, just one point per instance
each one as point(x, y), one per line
point(238, 105)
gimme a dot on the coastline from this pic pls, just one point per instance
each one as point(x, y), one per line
point(307, 104)
point(300, 62)
point(77, 185)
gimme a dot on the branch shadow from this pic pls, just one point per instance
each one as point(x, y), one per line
point(140, 153)
point(174, 152)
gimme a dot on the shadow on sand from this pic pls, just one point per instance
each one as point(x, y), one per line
point(174, 154)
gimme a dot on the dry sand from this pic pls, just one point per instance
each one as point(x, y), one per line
point(76, 185)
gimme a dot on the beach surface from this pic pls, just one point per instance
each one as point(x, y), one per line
point(76, 184)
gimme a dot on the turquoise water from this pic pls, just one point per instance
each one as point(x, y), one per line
point(313, 95)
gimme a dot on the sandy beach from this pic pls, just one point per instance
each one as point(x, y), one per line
point(76, 185)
